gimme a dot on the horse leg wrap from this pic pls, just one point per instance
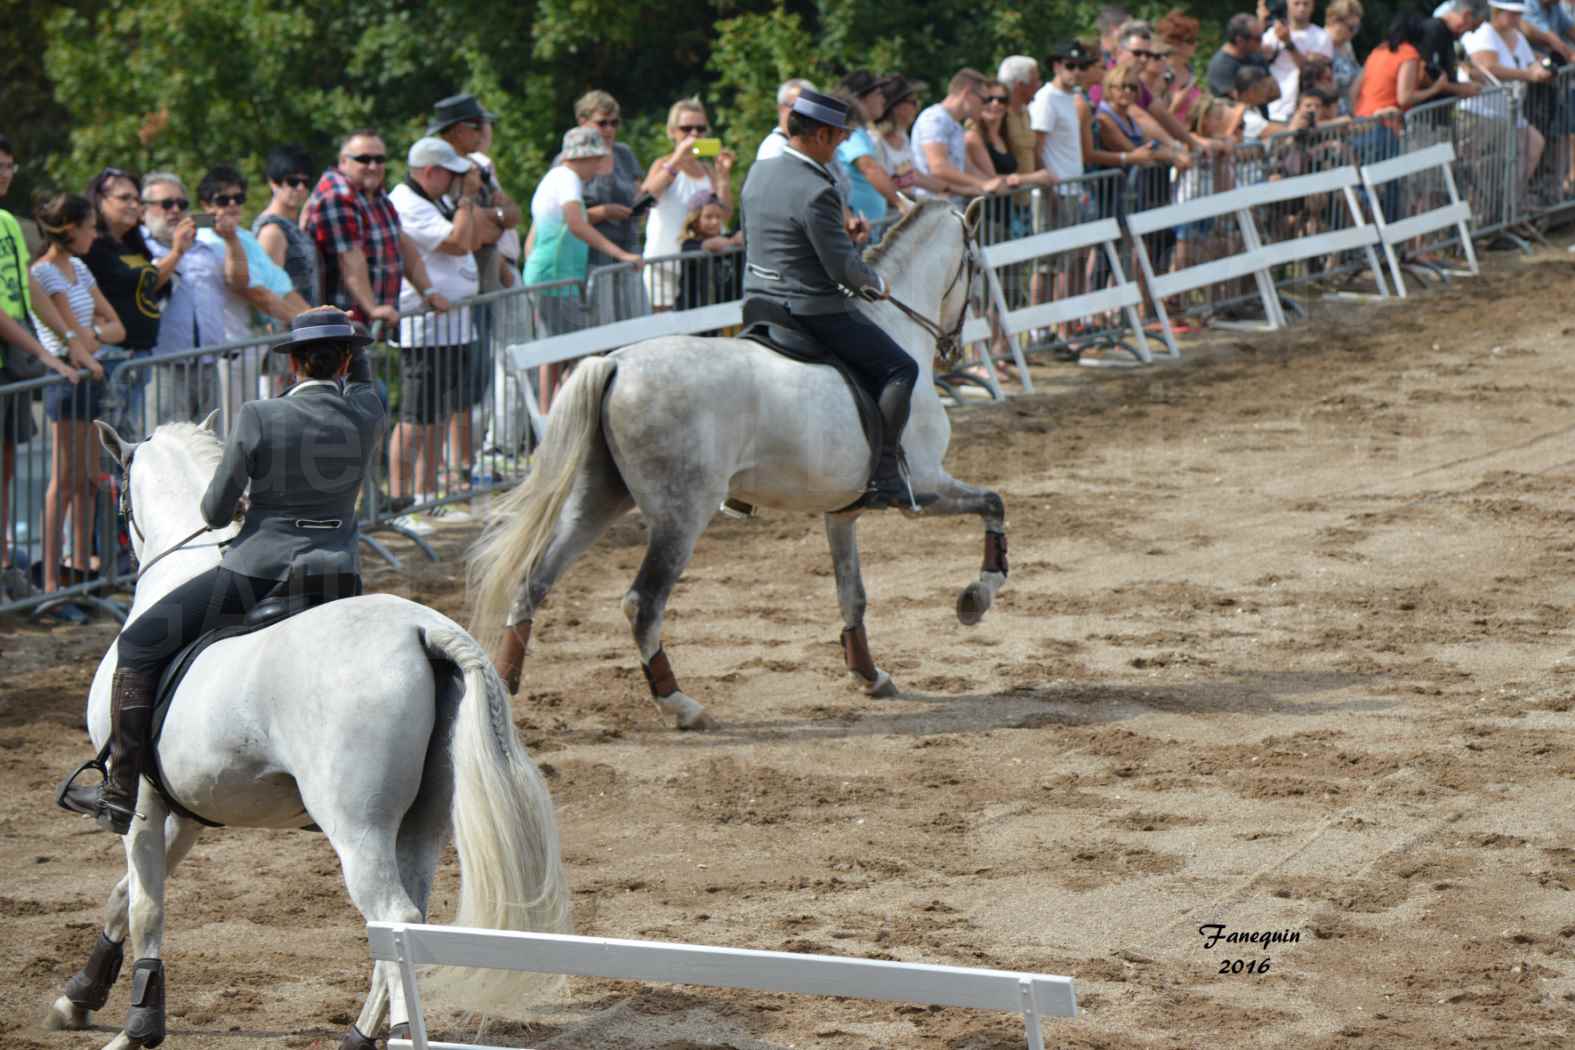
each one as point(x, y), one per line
point(145, 1019)
point(659, 675)
point(511, 657)
point(856, 650)
point(356, 1040)
point(89, 988)
point(995, 552)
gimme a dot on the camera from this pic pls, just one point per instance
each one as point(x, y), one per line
point(202, 220)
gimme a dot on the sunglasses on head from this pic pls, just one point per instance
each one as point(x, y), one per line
point(297, 182)
point(369, 159)
point(168, 203)
point(224, 200)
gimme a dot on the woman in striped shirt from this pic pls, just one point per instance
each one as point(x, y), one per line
point(67, 223)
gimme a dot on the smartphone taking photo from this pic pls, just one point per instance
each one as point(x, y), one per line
point(202, 220)
point(707, 147)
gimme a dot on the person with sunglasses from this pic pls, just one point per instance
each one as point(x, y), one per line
point(278, 226)
point(222, 194)
point(675, 180)
point(362, 254)
point(122, 264)
point(609, 207)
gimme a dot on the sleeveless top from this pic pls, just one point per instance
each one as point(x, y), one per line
point(1005, 162)
point(1127, 125)
point(300, 255)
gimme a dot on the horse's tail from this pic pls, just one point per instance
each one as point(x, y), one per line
point(521, 524)
point(505, 831)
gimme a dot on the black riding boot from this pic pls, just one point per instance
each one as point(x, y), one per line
point(113, 803)
point(889, 486)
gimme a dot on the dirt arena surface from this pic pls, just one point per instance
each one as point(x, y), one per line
point(1286, 647)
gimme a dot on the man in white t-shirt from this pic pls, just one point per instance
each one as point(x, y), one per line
point(1058, 137)
point(773, 144)
point(1287, 42)
point(1499, 48)
point(433, 344)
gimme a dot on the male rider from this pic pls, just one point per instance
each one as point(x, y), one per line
point(800, 254)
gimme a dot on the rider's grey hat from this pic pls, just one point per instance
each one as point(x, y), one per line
point(326, 324)
point(826, 109)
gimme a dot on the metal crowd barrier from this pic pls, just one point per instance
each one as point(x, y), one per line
point(1549, 108)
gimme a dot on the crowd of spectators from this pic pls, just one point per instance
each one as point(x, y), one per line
point(134, 272)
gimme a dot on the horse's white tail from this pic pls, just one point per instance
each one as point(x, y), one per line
point(520, 526)
point(505, 831)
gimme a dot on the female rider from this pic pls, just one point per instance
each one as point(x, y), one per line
point(304, 456)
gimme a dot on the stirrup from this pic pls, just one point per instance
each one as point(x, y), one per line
point(72, 798)
point(737, 509)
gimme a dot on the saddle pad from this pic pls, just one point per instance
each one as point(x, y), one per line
point(267, 613)
point(796, 345)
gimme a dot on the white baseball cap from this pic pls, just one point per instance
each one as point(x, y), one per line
point(1508, 5)
point(430, 151)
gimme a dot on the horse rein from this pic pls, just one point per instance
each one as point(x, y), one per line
point(947, 344)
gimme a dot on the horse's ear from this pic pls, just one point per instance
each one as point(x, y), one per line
point(113, 443)
point(972, 215)
point(211, 422)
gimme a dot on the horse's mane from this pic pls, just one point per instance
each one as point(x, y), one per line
point(894, 236)
point(203, 445)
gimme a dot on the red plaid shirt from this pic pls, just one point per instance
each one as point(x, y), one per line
point(339, 219)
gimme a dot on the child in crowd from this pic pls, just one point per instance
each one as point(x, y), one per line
point(705, 282)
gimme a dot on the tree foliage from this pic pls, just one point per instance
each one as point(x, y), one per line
point(184, 84)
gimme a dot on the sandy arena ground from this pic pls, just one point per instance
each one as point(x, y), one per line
point(1286, 646)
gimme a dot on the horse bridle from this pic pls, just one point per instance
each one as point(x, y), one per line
point(949, 344)
point(130, 515)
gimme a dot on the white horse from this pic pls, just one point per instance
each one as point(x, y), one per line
point(374, 718)
point(675, 425)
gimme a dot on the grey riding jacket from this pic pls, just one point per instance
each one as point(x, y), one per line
point(304, 456)
point(796, 249)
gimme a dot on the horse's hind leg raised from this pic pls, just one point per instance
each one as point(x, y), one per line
point(88, 990)
point(960, 498)
point(842, 532)
point(667, 552)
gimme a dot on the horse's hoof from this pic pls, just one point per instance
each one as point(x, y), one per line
point(882, 688)
point(687, 712)
point(66, 1016)
point(972, 604)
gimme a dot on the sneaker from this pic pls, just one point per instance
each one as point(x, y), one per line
point(446, 514)
point(412, 524)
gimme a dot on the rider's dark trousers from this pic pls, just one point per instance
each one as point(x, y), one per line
point(864, 347)
point(214, 599)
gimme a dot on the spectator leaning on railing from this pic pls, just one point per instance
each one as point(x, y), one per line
point(940, 146)
point(901, 107)
point(871, 192)
point(122, 264)
point(1498, 48)
point(561, 237)
point(462, 121)
point(268, 289)
point(1452, 21)
point(1179, 34)
point(67, 223)
point(1393, 81)
point(1020, 75)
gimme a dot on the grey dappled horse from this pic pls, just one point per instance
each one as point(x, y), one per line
point(674, 425)
point(375, 718)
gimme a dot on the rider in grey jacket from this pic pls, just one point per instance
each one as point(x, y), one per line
point(304, 456)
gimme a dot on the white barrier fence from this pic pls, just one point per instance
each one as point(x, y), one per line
point(1034, 996)
point(1395, 231)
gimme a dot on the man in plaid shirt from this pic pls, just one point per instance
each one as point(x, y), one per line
point(356, 230)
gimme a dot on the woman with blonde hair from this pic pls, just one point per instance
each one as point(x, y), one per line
point(609, 200)
point(1342, 21)
point(675, 180)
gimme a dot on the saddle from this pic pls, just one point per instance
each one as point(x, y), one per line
point(295, 595)
point(769, 323)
